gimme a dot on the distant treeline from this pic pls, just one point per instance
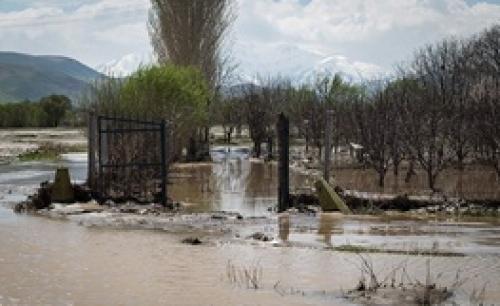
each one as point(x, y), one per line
point(51, 111)
point(440, 109)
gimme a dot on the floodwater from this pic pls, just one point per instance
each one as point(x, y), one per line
point(233, 184)
point(50, 262)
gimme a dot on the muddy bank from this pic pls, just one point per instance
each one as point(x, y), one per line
point(428, 204)
point(377, 203)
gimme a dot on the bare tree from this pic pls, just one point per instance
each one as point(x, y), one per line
point(426, 112)
point(373, 121)
point(261, 105)
point(258, 117)
point(486, 94)
point(396, 92)
point(460, 114)
point(300, 109)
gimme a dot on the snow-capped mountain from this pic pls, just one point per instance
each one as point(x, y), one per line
point(126, 65)
point(299, 64)
point(286, 60)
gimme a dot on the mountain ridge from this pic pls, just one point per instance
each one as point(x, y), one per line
point(31, 77)
point(298, 64)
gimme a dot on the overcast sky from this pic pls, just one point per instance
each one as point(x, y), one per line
point(369, 34)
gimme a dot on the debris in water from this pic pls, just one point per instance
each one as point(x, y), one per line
point(192, 241)
point(259, 236)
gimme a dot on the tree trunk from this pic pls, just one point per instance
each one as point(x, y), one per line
point(411, 171)
point(270, 148)
point(381, 177)
point(192, 148)
point(395, 170)
point(207, 132)
point(460, 183)
point(257, 148)
point(430, 180)
point(307, 144)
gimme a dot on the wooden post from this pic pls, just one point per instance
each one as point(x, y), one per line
point(283, 164)
point(328, 145)
point(163, 134)
point(99, 148)
point(91, 133)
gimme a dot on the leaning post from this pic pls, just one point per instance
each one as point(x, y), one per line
point(328, 145)
point(283, 163)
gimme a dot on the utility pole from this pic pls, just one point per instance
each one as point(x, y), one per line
point(283, 163)
point(328, 144)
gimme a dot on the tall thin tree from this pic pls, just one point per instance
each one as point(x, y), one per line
point(193, 33)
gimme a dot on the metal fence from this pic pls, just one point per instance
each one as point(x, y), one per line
point(127, 159)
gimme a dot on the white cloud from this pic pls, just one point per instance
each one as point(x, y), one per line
point(96, 31)
point(29, 17)
point(381, 32)
point(356, 35)
point(123, 34)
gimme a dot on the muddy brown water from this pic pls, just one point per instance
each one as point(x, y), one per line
point(49, 262)
point(249, 188)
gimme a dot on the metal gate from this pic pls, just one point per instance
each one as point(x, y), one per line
point(128, 159)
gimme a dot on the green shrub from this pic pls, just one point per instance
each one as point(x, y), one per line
point(176, 94)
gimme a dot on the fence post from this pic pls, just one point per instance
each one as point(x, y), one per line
point(328, 144)
point(283, 164)
point(91, 150)
point(163, 164)
point(100, 182)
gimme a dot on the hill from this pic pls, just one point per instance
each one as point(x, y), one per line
point(30, 77)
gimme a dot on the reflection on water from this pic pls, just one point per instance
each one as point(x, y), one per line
point(333, 229)
point(284, 226)
point(326, 222)
point(232, 183)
